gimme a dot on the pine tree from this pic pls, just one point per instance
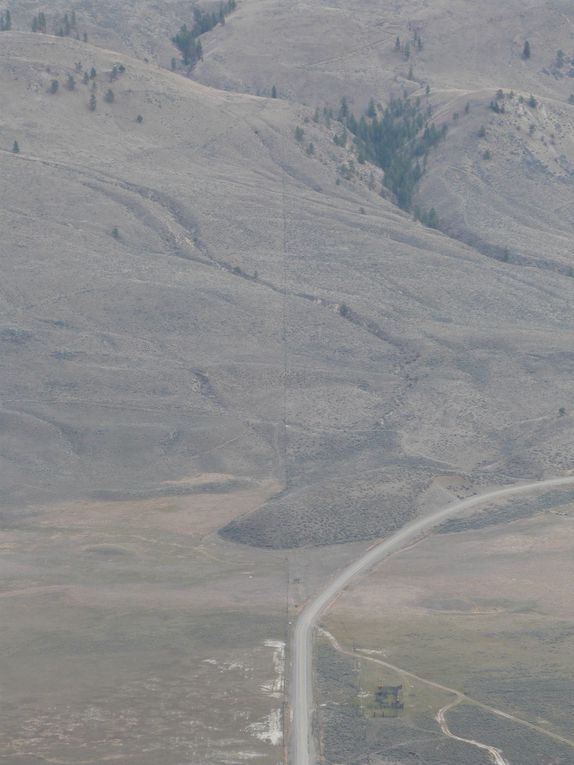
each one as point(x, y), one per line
point(54, 86)
point(70, 83)
point(5, 22)
point(15, 148)
point(274, 92)
point(433, 221)
point(92, 105)
point(109, 96)
point(526, 50)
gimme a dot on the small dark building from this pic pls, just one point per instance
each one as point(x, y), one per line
point(389, 700)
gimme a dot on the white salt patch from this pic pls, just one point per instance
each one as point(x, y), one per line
point(275, 687)
point(269, 729)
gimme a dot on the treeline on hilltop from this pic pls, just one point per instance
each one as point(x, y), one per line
point(187, 39)
point(61, 25)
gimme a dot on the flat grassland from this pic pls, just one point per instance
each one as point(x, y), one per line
point(485, 612)
point(131, 634)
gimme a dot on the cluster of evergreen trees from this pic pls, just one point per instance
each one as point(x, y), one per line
point(427, 217)
point(68, 25)
point(405, 48)
point(398, 140)
point(187, 39)
point(189, 46)
point(5, 21)
point(89, 79)
point(117, 70)
point(39, 23)
point(497, 104)
point(63, 27)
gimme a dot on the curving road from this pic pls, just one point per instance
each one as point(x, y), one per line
point(495, 753)
point(301, 690)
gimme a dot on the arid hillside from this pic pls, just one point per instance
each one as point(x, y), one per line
point(517, 200)
point(187, 289)
point(264, 300)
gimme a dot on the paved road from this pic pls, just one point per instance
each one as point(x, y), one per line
point(301, 688)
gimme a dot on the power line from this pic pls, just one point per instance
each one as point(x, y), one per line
point(284, 329)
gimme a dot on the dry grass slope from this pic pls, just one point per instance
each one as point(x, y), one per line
point(160, 353)
point(206, 326)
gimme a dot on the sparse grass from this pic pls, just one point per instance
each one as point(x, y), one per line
point(169, 509)
point(469, 643)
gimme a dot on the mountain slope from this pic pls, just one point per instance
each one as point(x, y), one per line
point(160, 353)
